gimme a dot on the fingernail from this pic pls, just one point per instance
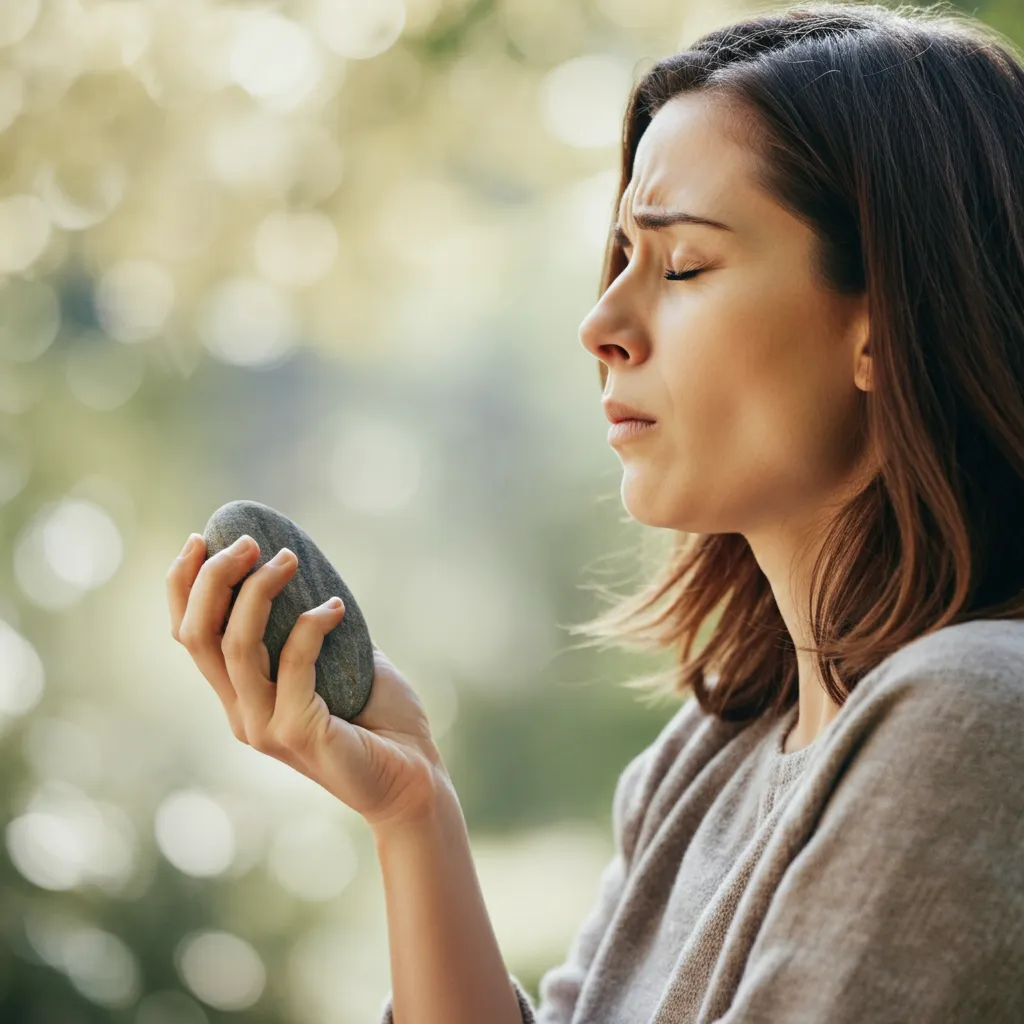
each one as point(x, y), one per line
point(189, 547)
point(334, 603)
point(242, 546)
point(281, 558)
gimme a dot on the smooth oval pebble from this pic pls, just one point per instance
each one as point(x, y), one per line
point(344, 667)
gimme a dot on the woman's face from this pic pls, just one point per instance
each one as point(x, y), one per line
point(752, 369)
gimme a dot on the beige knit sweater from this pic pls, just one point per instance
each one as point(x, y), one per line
point(873, 877)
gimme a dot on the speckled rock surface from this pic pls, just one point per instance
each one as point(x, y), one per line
point(344, 668)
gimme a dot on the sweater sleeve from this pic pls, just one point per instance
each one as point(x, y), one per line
point(560, 986)
point(907, 902)
point(525, 1005)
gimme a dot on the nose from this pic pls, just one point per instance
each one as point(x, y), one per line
point(609, 333)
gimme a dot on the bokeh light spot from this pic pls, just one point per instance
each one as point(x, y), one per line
point(102, 968)
point(313, 858)
point(274, 59)
point(24, 232)
point(66, 839)
point(253, 148)
point(221, 969)
point(82, 192)
point(360, 29)
point(98, 963)
point(195, 833)
point(377, 466)
point(16, 19)
point(21, 673)
point(63, 551)
point(82, 543)
point(249, 322)
point(583, 100)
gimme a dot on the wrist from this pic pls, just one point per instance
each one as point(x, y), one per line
point(428, 817)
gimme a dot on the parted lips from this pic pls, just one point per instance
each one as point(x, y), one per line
point(344, 667)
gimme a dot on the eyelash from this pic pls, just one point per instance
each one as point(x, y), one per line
point(681, 275)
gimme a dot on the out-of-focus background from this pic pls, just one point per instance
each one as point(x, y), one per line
point(330, 255)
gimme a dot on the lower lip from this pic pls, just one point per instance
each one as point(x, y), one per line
point(627, 430)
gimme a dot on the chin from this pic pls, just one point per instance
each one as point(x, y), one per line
point(644, 503)
point(655, 506)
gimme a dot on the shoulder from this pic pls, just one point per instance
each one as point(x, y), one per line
point(994, 646)
point(976, 667)
point(944, 713)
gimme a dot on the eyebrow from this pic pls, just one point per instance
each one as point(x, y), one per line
point(655, 220)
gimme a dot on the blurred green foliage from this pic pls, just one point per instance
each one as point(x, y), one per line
point(330, 256)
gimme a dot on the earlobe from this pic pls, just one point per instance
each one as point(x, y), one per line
point(862, 375)
point(864, 367)
point(862, 378)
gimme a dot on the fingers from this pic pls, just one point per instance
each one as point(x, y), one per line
point(245, 653)
point(180, 578)
point(282, 720)
point(207, 597)
point(299, 707)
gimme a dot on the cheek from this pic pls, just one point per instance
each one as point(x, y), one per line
point(754, 395)
point(708, 373)
point(742, 354)
point(792, 389)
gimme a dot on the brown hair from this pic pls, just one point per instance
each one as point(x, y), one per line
point(897, 135)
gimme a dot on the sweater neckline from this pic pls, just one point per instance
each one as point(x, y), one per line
point(794, 758)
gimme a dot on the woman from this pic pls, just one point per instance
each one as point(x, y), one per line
point(814, 297)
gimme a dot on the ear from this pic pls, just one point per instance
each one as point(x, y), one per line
point(861, 332)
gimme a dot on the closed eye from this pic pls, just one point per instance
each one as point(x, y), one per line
point(682, 275)
point(674, 275)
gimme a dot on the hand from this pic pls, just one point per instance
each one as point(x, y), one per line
point(383, 764)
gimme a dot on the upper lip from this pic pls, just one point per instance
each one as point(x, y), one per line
point(618, 411)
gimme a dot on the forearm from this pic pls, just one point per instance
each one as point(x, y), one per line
point(446, 967)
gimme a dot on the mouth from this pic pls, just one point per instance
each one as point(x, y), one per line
point(618, 412)
point(625, 430)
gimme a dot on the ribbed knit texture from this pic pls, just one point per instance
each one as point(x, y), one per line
point(876, 875)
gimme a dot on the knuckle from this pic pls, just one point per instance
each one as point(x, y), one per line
point(247, 583)
point(236, 565)
point(259, 740)
point(232, 645)
point(251, 587)
point(290, 659)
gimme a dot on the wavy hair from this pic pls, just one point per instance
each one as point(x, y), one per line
point(897, 135)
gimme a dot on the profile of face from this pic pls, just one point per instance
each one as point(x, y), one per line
point(753, 369)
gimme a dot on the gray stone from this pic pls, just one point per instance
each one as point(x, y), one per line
point(344, 668)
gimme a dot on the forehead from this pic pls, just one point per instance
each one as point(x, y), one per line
point(690, 158)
